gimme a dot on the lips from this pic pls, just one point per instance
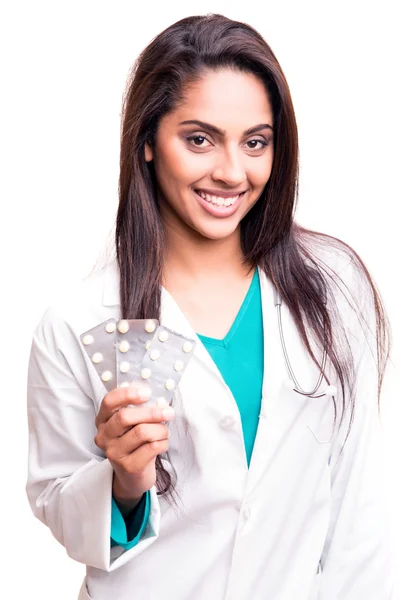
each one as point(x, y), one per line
point(220, 193)
point(218, 200)
point(217, 205)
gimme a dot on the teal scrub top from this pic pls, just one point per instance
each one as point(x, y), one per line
point(239, 357)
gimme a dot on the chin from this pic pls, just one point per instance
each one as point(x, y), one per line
point(219, 231)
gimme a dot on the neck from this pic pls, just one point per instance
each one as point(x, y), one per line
point(190, 256)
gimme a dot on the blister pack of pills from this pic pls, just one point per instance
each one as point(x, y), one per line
point(99, 343)
point(165, 362)
point(134, 350)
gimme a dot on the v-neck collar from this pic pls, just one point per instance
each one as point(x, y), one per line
point(242, 310)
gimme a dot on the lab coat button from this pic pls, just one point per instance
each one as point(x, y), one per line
point(227, 422)
point(246, 513)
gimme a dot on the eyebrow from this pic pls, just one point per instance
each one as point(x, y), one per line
point(222, 132)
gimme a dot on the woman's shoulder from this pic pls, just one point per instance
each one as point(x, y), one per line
point(352, 289)
point(338, 262)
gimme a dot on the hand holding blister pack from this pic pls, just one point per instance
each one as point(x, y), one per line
point(139, 351)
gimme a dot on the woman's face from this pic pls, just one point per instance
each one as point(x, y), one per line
point(202, 167)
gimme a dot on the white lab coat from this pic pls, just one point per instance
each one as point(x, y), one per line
point(300, 523)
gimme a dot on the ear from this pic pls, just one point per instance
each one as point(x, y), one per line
point(148, 152)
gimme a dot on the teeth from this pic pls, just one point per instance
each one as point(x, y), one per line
point(218, 200)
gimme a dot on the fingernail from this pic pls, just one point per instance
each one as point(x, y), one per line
point(144, 392)
point(168, 412)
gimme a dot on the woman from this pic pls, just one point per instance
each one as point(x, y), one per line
point(244, 489)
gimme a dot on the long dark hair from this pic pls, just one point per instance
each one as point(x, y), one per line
point(270, 237)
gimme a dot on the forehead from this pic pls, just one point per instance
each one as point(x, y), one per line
point(226, 98)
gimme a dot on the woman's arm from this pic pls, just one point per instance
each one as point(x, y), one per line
point(69, 481)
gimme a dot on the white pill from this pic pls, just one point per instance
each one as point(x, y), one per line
point(124, 384)
point(150, 326)
point(106, 376)
point(178, 366)
point(187, 347)
point(146, 373)
point(87, 340)
point(155, 354)
point(170, 384)
point(162, 401)
point(124, 346)
point(163, 336)
point(97, 357)
point(124, 367)
point(110, 327)
point(123, 326)
point(148, 344)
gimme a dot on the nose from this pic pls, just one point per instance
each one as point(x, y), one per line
point(229, 168)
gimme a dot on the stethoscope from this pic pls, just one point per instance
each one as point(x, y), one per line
point(293, 383)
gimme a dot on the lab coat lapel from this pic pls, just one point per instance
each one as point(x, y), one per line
point(172, 316)
point(275, 374)
point(274, 366)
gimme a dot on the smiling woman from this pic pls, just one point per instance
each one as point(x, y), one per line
point(246, 488)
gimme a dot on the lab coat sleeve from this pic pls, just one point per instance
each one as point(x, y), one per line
point(357, 559)
point(69, 483)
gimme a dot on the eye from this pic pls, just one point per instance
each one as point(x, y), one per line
point(262, 142)
point(199, 138)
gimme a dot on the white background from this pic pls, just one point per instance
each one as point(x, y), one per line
point(64, 66)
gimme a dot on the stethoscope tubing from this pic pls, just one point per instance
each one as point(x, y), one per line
point(330, 390)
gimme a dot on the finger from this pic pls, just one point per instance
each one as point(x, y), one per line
point(123, 420)
point(137, 393)
point(137, 461)
point(144, 433)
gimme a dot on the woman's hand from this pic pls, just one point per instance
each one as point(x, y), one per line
point(131, 438)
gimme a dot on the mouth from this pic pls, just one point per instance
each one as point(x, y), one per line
point(219, 200)
point(219, 206)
